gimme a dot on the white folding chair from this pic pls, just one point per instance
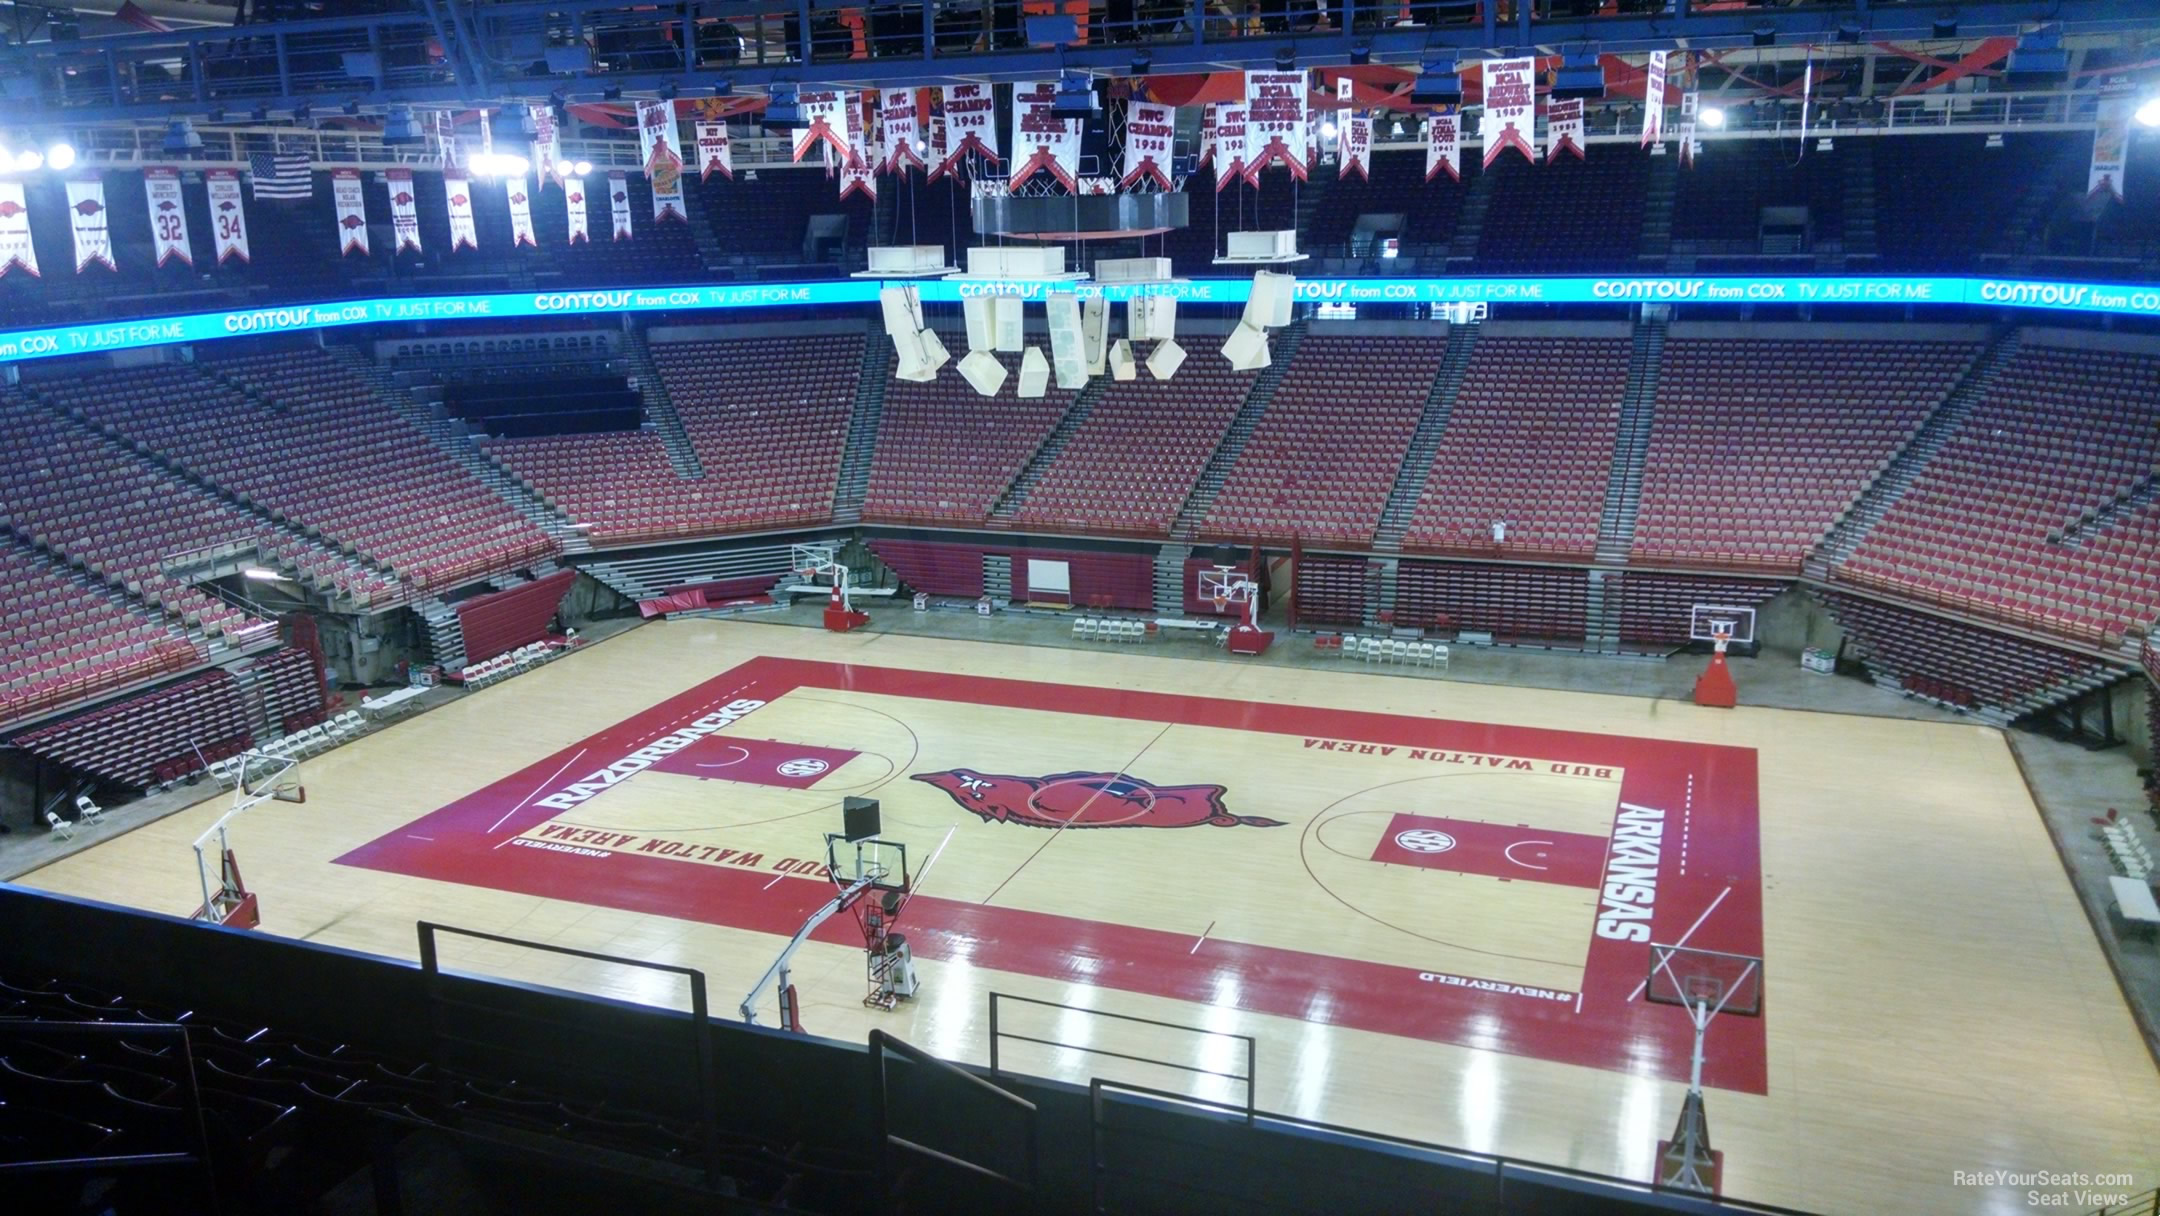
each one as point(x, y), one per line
point(60, 827)
point(1368, 648)
point(1398, 650)
point(86, 811)
point(1347, 646)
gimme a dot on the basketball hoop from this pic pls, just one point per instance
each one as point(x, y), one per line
point(1221, 602)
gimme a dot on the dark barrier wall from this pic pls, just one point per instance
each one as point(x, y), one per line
point(781, 1086)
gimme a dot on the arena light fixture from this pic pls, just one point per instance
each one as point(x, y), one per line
point(29, 160)
point(1713, 118)
point(60, 155)
point(500, 164)
point(1328, 129)
point(581, 168)
point(2148, 114)
point(261, 575)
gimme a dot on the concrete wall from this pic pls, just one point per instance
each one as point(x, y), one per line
point(1795, 621)
point(2131, 721)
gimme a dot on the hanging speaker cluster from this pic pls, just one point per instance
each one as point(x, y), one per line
point(1268, 307)
point(920, 352)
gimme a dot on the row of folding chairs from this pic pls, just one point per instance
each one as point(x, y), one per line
point(2125, 849)
point(1108, 629)
point(88, 814)
point(305, 742)
point(1394, 650)
point(509, 663)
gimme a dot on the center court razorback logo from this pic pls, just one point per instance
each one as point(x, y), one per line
point(1089, 800)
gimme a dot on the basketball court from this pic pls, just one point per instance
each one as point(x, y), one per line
point(1429, 904)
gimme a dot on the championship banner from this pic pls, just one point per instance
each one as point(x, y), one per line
point(1043, 142)
point(858, 175)
point(228, 219)
point(86, 214)
point(1690, 105)
point(351, 211)
point(1230, 146)
point(547, 146)
point(15, 244)
point(1355, 152)
point(1510, 108)
point(2111, 148)
point(457, 200)
point(521, 228)
point(970, 124)
point(897, 108)
point(1150, 129)
point(825, 121)
point(714, 151)
point(168, 219)
point(1564, 128)
point(619, 203)
point(1443, 144)
point(662, 160)
point(934, 165)
point(1275, 127)
point(405, 210)
point(871, 148)
point(1653, 112)
point(575, 203)
point(1207, 139)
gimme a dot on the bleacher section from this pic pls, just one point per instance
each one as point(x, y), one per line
point(619, 488)
point(1915, 174)
point(768, 419)
point(1654, 608)
point(945, 453)
point(1212, 214)
point(1718, 205)
point(1324, 456)
point(933, 567)
point(502, 621)
point(1958, 665)
point(302, 438)
point(291, 687)
point(63, 641)
point(1758, 447)
point(1565, 214)
point(1397, 187)
point(1529, 444)
point(1132, 463)
point(2027, 515)
point(1331, 589)
point(151, 738)
point(79, 495)
point(1512, 603)
point(282, 1118)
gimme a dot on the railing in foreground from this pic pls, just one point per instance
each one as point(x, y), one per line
point(997, 1033)
point(1490, 1175)
point(891, 1145)
point(2147, 1204)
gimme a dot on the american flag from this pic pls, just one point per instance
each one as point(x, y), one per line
point(281, 175)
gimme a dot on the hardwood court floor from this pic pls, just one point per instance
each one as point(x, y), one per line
point(1394, 884)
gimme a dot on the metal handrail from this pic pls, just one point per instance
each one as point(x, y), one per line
point(1501, 1167)
point(707, 1090)
point(881, 1044)
point(1252, 1052)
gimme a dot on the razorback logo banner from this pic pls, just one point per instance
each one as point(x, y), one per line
point(1089, 800)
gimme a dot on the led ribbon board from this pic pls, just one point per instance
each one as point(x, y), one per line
point(2119, 298)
